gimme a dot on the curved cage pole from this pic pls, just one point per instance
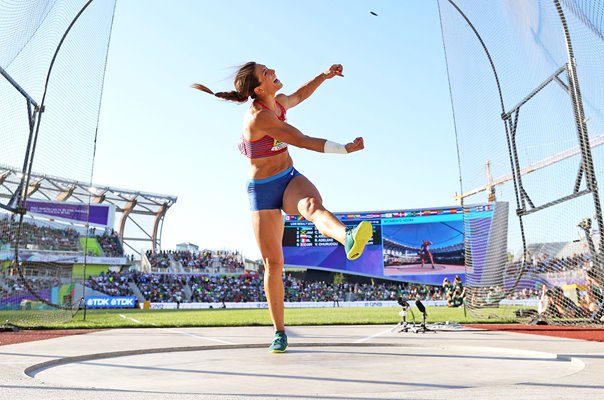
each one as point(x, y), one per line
point(525, 205)
point(510, 139)
point(23, 190)
point(41, 107)
point(587, 165)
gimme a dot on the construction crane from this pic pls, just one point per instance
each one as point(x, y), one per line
point(492, 183)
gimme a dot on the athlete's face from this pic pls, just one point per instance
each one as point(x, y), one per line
point(268, 79)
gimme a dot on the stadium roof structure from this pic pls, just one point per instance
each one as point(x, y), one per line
point(141, 212)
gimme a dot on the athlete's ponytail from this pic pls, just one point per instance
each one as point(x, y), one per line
point(245, 83)
point(233, 95)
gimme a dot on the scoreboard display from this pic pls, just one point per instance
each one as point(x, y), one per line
point(416, 245)
point(301, 233)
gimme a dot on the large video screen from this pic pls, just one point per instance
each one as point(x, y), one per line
point(418, 245)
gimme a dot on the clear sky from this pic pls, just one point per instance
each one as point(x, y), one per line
point(156, 134)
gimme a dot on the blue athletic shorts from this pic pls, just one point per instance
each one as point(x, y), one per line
point(267, 193)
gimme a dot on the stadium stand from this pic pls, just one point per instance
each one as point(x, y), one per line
point(164, 287)
point(45, 236)
point(39, 237)
point(205, 261)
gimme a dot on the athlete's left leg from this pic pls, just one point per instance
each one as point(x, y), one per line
point(302, 197)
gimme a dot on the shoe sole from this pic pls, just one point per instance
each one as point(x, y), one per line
point(278, 351)
point(361, 237)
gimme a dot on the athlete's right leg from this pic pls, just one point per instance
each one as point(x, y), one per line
point(268, 228)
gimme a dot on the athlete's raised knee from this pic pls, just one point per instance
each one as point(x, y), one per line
point(308, 206)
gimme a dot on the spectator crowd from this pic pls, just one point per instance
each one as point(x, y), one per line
point(180, 288)
point(205, 261)
point(41, 237)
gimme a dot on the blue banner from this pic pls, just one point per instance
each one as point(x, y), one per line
point(99, 214)
point(111, 302)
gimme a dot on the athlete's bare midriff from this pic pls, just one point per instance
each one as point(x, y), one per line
point(266, 167)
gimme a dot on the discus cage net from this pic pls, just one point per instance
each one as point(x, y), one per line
point(526, 89)
point(52, 67)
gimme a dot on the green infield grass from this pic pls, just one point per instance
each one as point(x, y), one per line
point(136, 318)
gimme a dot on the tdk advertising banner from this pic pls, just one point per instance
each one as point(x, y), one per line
point(111, 302)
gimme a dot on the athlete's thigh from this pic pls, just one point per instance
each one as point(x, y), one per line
point(268, 228)
point(299, 188)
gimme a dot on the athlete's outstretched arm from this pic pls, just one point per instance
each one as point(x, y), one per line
point(309, 88)
point(266, 122)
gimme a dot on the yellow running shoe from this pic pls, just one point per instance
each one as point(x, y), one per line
point(357, 238)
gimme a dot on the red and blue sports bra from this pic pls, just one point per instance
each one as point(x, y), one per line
point(266, 146)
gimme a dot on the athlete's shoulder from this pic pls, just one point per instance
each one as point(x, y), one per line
point(283, 99)
point(259, 121)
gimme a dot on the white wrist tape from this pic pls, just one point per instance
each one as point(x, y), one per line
point(332, 147)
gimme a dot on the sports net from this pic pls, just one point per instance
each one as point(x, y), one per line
point(530, 130)
point(52, 68)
